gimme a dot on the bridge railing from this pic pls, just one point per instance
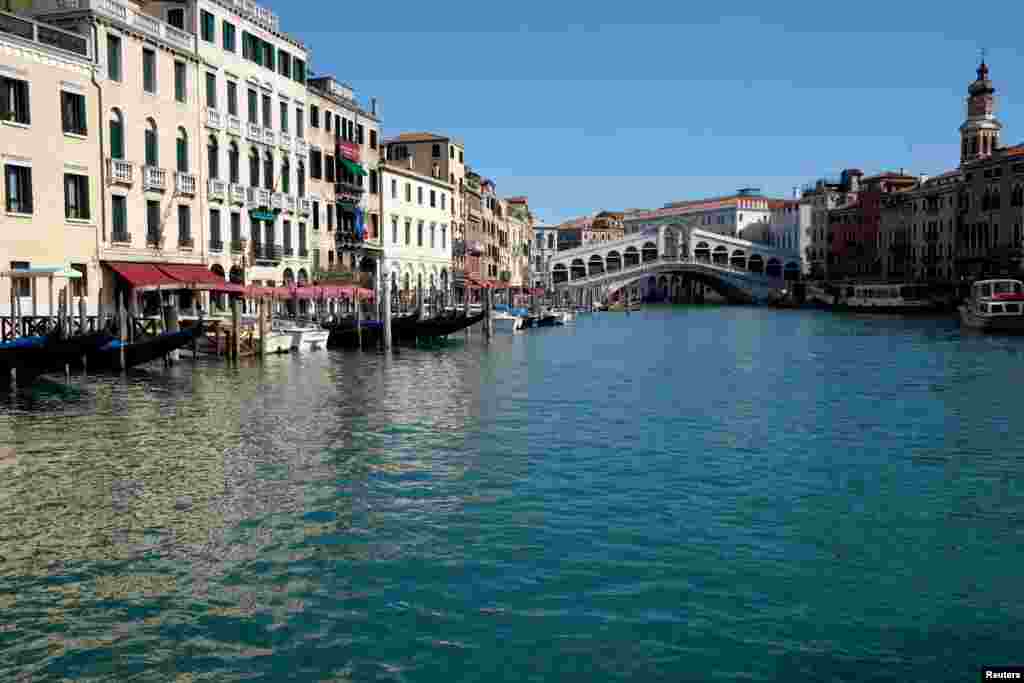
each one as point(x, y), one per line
point(645, 266)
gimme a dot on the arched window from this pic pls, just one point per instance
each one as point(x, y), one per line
point(152, 146)
point(254, 168)
point(268, 171)
point(233, 170)
point(116, 134)
point(182, 141)
point(286, 171)
point(212, 158)
point(300, 177)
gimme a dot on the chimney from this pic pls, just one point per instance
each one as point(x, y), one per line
point(411, 159)
point(373, 106)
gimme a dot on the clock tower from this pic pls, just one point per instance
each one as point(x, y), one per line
point(979, 134)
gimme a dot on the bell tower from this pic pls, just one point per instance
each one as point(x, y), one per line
point(979, 134)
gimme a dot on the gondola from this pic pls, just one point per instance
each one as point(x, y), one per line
point(34, 356)
point(442, 326)
point(109, 356)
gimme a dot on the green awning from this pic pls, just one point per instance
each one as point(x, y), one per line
point(353, 167)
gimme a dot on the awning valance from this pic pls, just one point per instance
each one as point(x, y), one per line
point(196, 276)
point(143, 275)
point(353, 167)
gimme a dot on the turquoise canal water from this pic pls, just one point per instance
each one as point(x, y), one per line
point(690, 494)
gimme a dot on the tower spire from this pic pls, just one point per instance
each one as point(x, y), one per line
point(979, 134)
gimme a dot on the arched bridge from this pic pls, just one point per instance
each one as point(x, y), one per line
point(740, 270)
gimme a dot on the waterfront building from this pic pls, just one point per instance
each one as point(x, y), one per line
point(49, 116)
point(819, 200)
point(344, 155)
point(417, 245)
point(490, 213)
point(731, 216)
point(917, 235)
point(519, 222)
point(545, 246)
point(608, 226)
point(854, 229)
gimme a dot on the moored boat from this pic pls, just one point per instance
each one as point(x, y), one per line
point(303, 337)
point(139, 353)
point(994, 306)
point(884, 298)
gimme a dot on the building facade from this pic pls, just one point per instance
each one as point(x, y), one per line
point(731, 216)
point(49, 116)
point(418, 240)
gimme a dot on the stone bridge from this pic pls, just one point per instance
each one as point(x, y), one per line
point(676, 257)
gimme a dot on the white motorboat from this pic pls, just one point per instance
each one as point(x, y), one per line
point(568, 315)
point(994, 306)
point(303, 337)
point(278, 342)
point(506, 322)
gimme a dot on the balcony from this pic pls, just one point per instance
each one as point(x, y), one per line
point(266, 253)
point(290, 202)
point(217, 189)
point(288, 251)
point(186, 243)
point(277, 201)
point(285, 140)
point(121, 238)
point(268, 137)
point(237, 246)
point(184, 183)
point(257, 198)
point(301, 147)
point(254, 133)
point(237, 194)
point(119, 172)
point(124, 13)
point(214, 119)
point(303, 252)
point(154, 178)
point(216, 246)
point(305, 206)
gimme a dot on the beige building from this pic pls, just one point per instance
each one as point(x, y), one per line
point(418, 235)
point(51, 157)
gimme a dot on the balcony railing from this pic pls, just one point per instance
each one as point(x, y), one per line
point(214, 119)
point(257, 197)
point(154, 238)
point(120, 237)
point(285, 140)
point(184, 183)
point(305, 206)
point(218, 189)
point(186, 243)
point(268, 137)
point(120, 171)
point(234, 125)
point(237, 246)
point(47, 35)
point(277, 201)
point(237, 194)
point(124, 13)
point(253, 132)
point(154, 178)
point(301, 147)
point(289, 203)
point(216, 246)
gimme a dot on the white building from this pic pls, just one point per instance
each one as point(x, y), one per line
point(731, 216)
point(417, 238)
point(545, 246)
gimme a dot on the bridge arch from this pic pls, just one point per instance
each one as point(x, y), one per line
point(560, 274)
point(739, 259)
point(774, 268)
point(720, 256)
point(578, 269)
point(613, 262)
point(632, 257)
point(792, 271)
point(596, 265)
point(650, 252)
point(702, 252)
point(755, 264)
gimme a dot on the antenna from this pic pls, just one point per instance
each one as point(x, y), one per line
point(984, 52)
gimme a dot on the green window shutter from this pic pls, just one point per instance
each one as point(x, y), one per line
point(151, 151)
point(116, 140)
point(182, 156)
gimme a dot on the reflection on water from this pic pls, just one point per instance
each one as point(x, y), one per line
point(694, 494)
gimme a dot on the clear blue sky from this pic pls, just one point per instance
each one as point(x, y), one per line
point(589, 106)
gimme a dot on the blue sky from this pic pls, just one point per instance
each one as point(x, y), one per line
point(589, 106)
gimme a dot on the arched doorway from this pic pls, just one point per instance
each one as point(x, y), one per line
point(613, 262)
point(650, 252)
point(596, 265)
point(738, 259)
point(560, 274)
point(755, 264)
point(774, 268)
point(702, 252)
point(720, 256)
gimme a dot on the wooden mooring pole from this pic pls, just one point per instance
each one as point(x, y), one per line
point(236, 327)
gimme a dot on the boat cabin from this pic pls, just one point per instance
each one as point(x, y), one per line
point(886, 293)
point(998, 297)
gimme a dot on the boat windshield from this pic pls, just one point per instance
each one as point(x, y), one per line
point(1006, 287)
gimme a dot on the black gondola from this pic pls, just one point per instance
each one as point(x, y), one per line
point(109, 356)
point(33, 358)
point(442, 326)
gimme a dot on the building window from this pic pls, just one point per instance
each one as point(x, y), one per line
point(300, 122)
point(24, 284)
point(211, 90)
point(233, 170)
point(268, 116)
point(451, 152)
point(433, 229)
point(314, 116)
point(228, 30)
point(286, 172)
point(180, 88)
point(116, 135)
point(254, 168)
point(444, 234)
point(419, 196)
point(284, 63)
point(76, 197)
point(176, 18)
point(460, 156)
point(153, 222)
point(215, 228)
point(443, 200)
point(184, 225)
point(254, 106)
point(14, 100)
point(268, 171)
point(433, 199)
point(316, 216)
point(72, 107)
point(213, 158)
point(327, 121)
point(182, 145)
point(373, 182)
point(373, 139)
point(359, 134)
point(18, 188)
point(151, 144)
point(284, 117)
point(394, 189)
point(236, 227)
point(301, 178)
point(329, 168)
point(394, 229)
point(408, 192)
point(208, 26)
point(119, 218)
point(330, 217)
point(299, 71)
point(419, 234)
point(435, 151)
point(287, 237)
point(114, 70)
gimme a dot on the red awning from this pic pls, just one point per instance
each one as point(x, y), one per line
point(229, 287)
point(537, 291)
point(364, 293)
point(196, 276)
point(143, 275)
point(474, 283)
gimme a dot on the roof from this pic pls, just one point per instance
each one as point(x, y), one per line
point(783, 203)
point(416, 137)
point(517, 200)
